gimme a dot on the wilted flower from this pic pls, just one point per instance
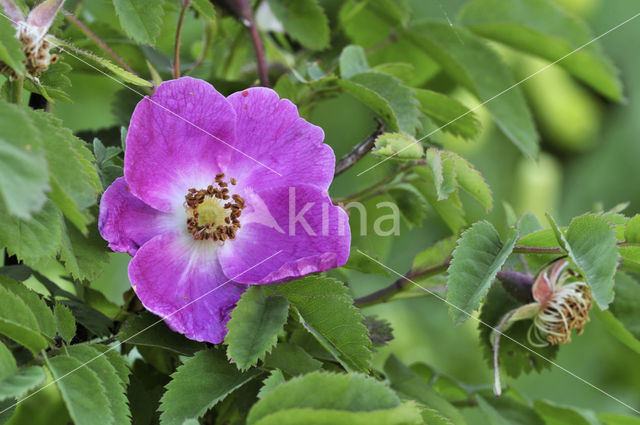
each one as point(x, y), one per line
point(218, 193)
point(32, 33)
point(562, 302)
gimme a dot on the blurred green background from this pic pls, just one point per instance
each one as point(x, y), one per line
point(590, 155)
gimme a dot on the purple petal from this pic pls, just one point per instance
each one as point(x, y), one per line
point(13, 11)
point(317, 240)
point(177, 139)
point(182, 282)
point(125, 221)
point(270, 130)
point(42, 15)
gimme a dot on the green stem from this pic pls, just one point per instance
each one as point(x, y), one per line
point(15, 87)
point(176, 50)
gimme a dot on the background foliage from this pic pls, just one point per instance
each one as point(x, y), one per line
point(563, 143)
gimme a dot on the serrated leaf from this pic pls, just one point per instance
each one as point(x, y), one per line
point(65, 323)
point(471, 181)
point(451, 115)
point(82, 391)
point(591, 243)
point(24, 180)
point(21, 381)
point(632, 230)
point(125, 75)
point(543, 28)
point(8, 363)
point(405, 381)
point(327, 312)
point(11, 48)
point(304, 20)
point(398, 146)
point(41, 312)
point(400, 70)
point(109, 378)
point(435, 255)
point(387, 97)
point(450, 209)
point(19, 323)
point(553, 413)
point(353, 60)
point(74, 180)
point(205, 8)
point(208, 378)
point(274, 379)
point(474, 65)
point(254, 326)
point(148, 330)
point(412, 205)
point(140, 19)
point(292, 359)
point(476, 261)
point(84, 256)
point(352, 393)
point(405, 414)
point(444, 173)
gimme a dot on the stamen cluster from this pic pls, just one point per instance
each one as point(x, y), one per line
point(221, 219)
point(36, 49)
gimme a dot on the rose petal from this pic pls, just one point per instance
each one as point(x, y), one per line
point(13, 11)
point(181, 281)
point(304, 247)
point(269, 130)
point(125, 221)
point(177, 139)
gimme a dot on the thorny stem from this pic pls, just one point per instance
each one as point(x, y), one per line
point(16, 90)
point(98, 41)
point(359, 151)
point(176, 50)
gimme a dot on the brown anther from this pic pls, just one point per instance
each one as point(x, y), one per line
point(233, 181)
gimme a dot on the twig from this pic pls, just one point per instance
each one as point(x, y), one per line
point(242, 10)
point(97, 39)
point(176, 50)
point(359, 151)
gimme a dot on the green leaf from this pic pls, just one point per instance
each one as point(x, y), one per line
point(543, 28)
point(400, 70)
point(148, 330)
point(476, 260)
point(450, 209)
point(20, 382)
point(274, 379)
point(84, 257)
point(74, 180)
point(353, 60)
point(405, 414)
point(81, 389)
point(304, 20)
point(205, 8)
point(65, 323)
point(444, 173)
point(412, 205)
point(398, 146)
point(632, 230)
point(32, 240)
point(364, 264)
point(291, 359)
point(23, 168)
point(591, 243)
point(37, 306)
point(491, 414)
point(405, 381)
point(11, 48)
point(616, 419)
point(474, 65)
point(208, 378)
point(7, 362)
point(327, 312)
point(351, 393)
point(126, 76)
point(109, 379)
point(19, 323)
point(623, 320)
point(512, 409)
point(387, 97)
point(435, 255)
point(451, 115)
point(554, 414)
point(140, 19)
point(254, 326)
point(471, 181)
